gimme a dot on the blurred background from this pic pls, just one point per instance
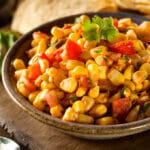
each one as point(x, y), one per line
point(24, 15)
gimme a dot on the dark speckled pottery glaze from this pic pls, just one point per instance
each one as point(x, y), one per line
point(80, 130)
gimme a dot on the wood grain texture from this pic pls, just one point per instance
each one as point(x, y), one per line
point(34, 135)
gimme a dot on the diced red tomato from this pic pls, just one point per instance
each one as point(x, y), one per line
point(83, 82)
point(34, 71)
point(51, 98)
point(121, 107)
point(123, 47)
point(115, 21)
point(67, 26)
point(73, 50)
point(43, 56)
point(28, 83)
point(55, 56)
point(40, 34)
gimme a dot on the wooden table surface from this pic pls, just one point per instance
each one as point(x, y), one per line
point(34, 135)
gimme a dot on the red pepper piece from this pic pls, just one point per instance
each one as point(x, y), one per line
point(123, 47)
point(34, 71)
point(73, 50)
point(120, 108)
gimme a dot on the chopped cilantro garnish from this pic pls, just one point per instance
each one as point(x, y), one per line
point(146, 106)
point(98, 51)
point(73, 97)
point(122, 92)
point(126, 57)
point(99, 28)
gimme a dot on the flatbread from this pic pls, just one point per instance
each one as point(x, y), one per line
point(30, 14)
point(142, 6)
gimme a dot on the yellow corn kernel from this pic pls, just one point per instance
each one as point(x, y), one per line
point(67, 31)
point(52, 71)
point(31, 52)
point(94, 92)
point(93, 71)
point(119, 37)
point(98, 110)
point(22, 89)
point(57, 32)
point(138, 45)
point(83, 18)
point(74, 36)
point(38, 81)
point(146, 84)
point(100, 50)
point(86, 55)
point(133, 114)
point(57, 79)
point(138, 87)
point(69, 84)
point(139, 76)
point(105, 121)
point(57, 111)
point(116, 77)
point(89, 44)
point(47, 85)
point(60, 94)
point(88, 102)
point(102, 60)
point(81, 41)
point(45, 77)
point(78, 71)
point(121, 64)
point(44, 64)
point(90, 61)
point(50, 50)
point(78, 106)
point(18, 64)
point(33, 59)
point(146, 67)
point(82, 118)
point(103, 72)
point(42, 46)
point(70, 64)
point(76, 27)
point(19, 73)
point(39, 101)
point(80, 92)
point(114, 97)
point(124, 23)
point(127, 92)
point(35, 42)
point(70, 115)
point(128, 72)
point(102, 98)
point(32, 96)
point(134, 97)
point(130, 85)
point(131, 35)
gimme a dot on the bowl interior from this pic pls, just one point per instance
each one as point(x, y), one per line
point(80, 130)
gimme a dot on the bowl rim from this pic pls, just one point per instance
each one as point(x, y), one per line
point(76, 129)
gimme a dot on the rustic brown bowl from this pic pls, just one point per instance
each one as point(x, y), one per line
point(75, 129)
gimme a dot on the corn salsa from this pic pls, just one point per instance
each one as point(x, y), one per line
point(93, 71)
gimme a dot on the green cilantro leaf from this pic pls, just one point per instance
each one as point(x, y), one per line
point(99, 28)
point(90, 31)
point(98, 51)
